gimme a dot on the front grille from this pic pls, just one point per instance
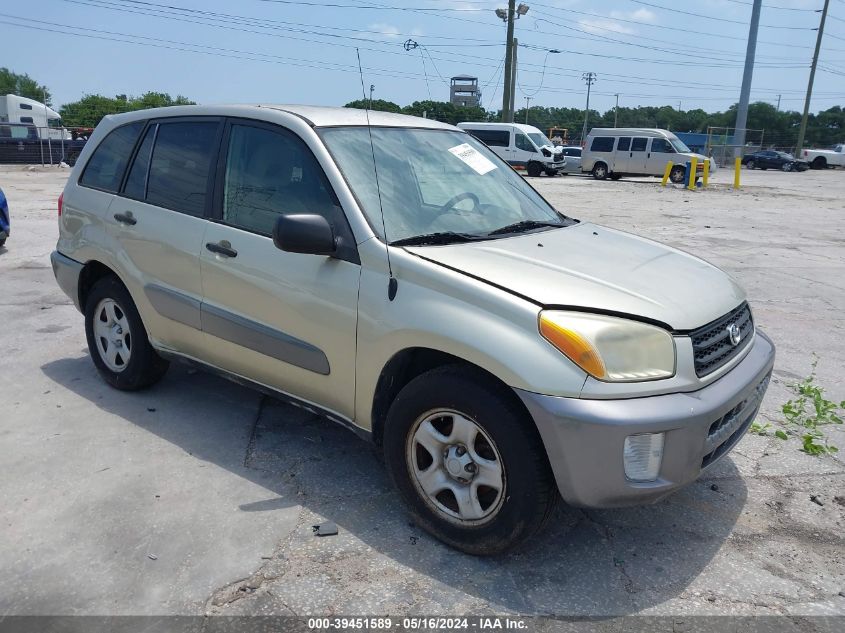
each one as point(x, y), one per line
point(711, 344)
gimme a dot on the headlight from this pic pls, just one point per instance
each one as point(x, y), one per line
point(610, 348)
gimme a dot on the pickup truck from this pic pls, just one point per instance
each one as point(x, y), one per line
point(20, 143)
point(824, 158)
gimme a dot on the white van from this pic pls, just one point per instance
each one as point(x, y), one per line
point(617, 152)
point(522, 146)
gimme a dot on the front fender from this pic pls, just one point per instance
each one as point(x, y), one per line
point(444, 310)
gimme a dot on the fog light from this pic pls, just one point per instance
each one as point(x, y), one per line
point(642, 456)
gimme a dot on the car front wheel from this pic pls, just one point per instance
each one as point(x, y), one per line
point(117, 339)
point(600, 171)
point(468, 461)
point(750, 164)
point(678, 174)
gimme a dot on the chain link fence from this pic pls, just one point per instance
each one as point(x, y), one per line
point(23, 144)
point(722, 147)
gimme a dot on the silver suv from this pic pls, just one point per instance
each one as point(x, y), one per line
point(400, 278)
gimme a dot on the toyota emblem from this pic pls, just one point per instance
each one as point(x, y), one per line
point(734, 333)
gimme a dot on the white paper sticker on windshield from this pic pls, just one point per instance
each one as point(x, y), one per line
point(472, 157)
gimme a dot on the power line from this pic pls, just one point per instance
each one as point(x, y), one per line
point(710, 17)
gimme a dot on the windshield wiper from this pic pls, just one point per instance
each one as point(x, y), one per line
point(524, 225)
point(442, 237)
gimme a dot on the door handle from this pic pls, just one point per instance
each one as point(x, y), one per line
point(223, 248)
point(126, 218)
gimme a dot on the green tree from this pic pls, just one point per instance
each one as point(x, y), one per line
point(88, 111)
point(377, 104)
point(12, 83)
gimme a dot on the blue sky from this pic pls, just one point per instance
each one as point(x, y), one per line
point(286, 51)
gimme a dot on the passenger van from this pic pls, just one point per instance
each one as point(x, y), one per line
point(522, 146)
point(398, 277)
point(617, 152)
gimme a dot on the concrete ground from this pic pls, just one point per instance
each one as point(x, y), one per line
point(198, 496)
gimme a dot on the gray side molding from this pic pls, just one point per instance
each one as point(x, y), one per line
point(265, 340)
point(174, 305)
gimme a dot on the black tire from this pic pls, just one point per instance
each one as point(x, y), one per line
point(786, 167)
point(764, 168)
point(144, 366)
point(615, 176)
point(527, 494)
point(551, 173)
point(3, 242)
point(750, 164)
point(600, 171)
point(534, 169)
point(678, 174)
point(819, 162)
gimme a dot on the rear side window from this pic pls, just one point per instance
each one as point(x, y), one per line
point(624, 144)
point(492, 138)
point(638, 144)
point(108, 162)
point(602, 144)
point(178, 178)
point(136, 183)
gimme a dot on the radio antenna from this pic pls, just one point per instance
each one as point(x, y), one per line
point(392, 283)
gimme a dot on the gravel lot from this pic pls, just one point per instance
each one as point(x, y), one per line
point(198, 496)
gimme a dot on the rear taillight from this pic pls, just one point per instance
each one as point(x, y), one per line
point(61, 199)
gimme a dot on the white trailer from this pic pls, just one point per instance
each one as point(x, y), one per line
point(15, 109)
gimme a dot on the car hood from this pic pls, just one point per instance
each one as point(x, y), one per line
point(596, 268)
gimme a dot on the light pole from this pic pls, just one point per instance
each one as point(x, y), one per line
point(508, 16)
point(590, 78)
point(616, 111)
point(803, 129)
point(745, 90)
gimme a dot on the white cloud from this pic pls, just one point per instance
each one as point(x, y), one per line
point(388, 30)
point(639, 15)
point(601, 26)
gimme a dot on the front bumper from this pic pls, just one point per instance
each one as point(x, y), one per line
point(584, 439)
point(67, 271)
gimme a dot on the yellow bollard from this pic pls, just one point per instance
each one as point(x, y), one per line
point(705, 178)
point(693, 169)
point(666, 173)
point(737, 166)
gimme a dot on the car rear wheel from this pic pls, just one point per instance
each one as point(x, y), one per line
point(678, 174)
point(599, 171)
point(468, 461)
point(117, 339)
point(750, 164)
point(819, 162)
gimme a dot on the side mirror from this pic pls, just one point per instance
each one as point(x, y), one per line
point(306, 233)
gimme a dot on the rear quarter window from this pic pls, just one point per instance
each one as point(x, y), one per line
point(492, 138)
point(602, 144)
point(105, 168)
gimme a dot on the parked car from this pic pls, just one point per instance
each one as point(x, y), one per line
point(824, 158)
point(405, 282)
point(617, 152)
point(5, 219)
point(771, 159)
point(573, 160)
point(522, 146)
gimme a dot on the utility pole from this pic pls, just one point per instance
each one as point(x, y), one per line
point(803, 129)
point(372, 87)
point(527, 99)
point(508, 16)
point(745, 91)
point(616, 112)
point(777, 108)
point(507, 115)
point(512, 108)
point(590, 78)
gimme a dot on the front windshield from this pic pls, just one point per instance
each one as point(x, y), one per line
point(539, 139)
point(679, 145)
point(434, 182)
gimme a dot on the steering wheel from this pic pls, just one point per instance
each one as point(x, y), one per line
point(466, 195)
